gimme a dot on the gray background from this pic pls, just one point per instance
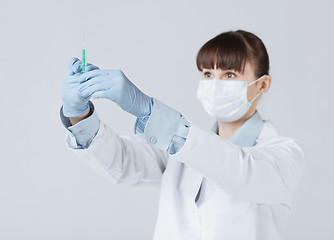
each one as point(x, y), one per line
point(47, 193)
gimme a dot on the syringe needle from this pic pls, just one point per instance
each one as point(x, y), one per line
point(83, 51)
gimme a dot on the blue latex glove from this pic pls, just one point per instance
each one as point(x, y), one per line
point(114, 85)
point(75, 105)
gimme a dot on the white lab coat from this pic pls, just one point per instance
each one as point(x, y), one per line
point(246, 192)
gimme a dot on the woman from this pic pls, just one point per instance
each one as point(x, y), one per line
point(234, 182)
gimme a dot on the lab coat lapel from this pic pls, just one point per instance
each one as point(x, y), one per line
point(184, 184)
point(247, 134)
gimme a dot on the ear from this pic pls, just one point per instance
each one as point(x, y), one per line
point(265, 84)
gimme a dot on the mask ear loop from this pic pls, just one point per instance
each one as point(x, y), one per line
point(256, 80)
point(254, 98)
point(253, 83)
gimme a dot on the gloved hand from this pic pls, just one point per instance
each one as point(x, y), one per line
point(74, 105)
point(114, 85)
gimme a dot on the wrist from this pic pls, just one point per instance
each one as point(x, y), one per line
point(142, 107)
point(75, 120)
point(75, 110)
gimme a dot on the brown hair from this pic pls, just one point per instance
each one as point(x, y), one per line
point(231, 50)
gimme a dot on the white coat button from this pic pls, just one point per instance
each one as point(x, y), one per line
point(153, 140)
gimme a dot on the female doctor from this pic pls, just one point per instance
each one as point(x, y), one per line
point(234, 182)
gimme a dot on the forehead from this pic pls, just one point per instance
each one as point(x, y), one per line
point(247, 71)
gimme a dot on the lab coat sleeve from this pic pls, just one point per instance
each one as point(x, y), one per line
point(265, 173)
point(85, 130)
point(123, 159)
point(165, 128)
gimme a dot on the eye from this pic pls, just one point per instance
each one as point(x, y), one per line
point(230, 75)
point(207, 74)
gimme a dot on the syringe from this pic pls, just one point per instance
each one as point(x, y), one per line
point(83, 51)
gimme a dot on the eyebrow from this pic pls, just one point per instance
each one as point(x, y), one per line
point(226, 70)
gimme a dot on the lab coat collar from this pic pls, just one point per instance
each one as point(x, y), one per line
point(246, 135)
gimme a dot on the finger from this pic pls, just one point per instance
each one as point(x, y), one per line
point(76, 68)
point(92, 81)
point(70, 65)
point(91, 67)
point(96, 79)
point(91, 74)
point(87, 92)
point(97, 95)
point(89, 64)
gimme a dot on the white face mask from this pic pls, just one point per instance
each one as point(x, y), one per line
point(225, 100)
